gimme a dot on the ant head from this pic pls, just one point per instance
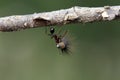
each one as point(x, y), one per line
point(52, 30)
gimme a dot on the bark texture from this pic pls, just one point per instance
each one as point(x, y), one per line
point(60, 17)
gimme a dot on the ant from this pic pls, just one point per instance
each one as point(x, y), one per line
point(61, 41)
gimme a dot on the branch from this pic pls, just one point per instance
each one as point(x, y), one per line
point(60, 17)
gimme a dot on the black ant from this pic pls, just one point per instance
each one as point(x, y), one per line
point(61, 41)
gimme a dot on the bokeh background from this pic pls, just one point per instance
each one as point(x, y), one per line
point(32, 55)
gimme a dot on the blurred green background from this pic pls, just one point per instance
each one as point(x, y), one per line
point(32, 55)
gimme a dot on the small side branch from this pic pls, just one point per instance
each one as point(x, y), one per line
point(60, 17)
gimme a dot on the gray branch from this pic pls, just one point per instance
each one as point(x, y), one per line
point(60, 17)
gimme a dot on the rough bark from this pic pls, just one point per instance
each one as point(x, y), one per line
point(60, 17)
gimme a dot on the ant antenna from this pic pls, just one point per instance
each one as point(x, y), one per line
point(59, 31)
point(65, 33)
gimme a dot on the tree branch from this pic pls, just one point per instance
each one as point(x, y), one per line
point(60, 17)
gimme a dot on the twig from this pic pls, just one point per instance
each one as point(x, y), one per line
point(60, 17)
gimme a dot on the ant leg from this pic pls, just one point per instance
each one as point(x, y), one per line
point(65, 33)
point(59, 31)
point(59, 52)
